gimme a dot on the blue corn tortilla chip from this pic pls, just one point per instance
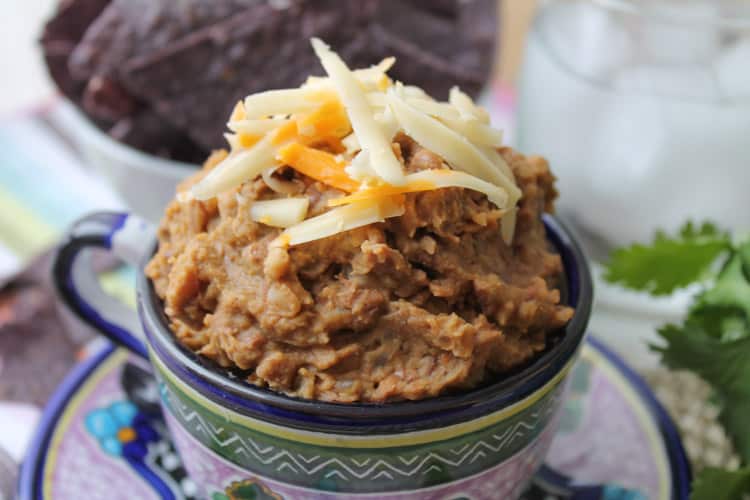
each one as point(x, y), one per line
point(183, 65)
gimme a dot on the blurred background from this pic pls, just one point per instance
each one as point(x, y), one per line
point(29, 84)
point(640, 107)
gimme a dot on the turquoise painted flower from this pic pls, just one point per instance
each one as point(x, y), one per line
point(120, 429)
point(613, 492)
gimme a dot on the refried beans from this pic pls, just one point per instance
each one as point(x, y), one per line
point(430, 302)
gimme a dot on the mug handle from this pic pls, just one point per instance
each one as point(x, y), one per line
point(125, 236)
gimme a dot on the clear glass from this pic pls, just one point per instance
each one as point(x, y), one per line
point(643, 109)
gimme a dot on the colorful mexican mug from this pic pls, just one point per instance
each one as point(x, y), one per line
point(241, 441)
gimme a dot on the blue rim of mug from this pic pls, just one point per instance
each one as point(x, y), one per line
point(32, 469)
point(360, 418)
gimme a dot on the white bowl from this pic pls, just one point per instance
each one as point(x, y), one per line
point(145, 182)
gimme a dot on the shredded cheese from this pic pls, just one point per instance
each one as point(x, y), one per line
point(474, 130)
point(360, 168)
point(428, 180)
point(318, 165)
point(276, 184)
point(240, 166)
point(497, 160)
point(369, 133)
point(339, 130)
point(283, 212)
point(508, 225)
point(247, 140)
point(329, 120)
point(238, 113)
point(439, 110)
point(351, 144)
point(342, 219)
point(466, 106)
point(452, 147)
point(233, 141)
point(372, 78)
point(256, 127)
point(285, 102)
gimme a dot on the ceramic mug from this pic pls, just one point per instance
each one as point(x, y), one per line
point(237, 439)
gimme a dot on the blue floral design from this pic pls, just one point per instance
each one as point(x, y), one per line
point(614, 492)
point(122, 431)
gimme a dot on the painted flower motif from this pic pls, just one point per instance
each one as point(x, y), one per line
point(122, 431)
point(614, 492)
point(248, 489)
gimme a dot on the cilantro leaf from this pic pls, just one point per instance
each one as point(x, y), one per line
point(668, 263)
point(723, 364)
point(731, 288)
point(717, 484)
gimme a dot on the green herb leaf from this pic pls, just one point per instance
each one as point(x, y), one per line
point(731, 288)
point(668, 263)
point(723, 364)
point(717, 484)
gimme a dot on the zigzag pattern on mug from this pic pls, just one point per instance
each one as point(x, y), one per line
point(347, 469)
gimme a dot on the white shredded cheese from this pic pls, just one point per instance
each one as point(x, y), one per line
point(455, 178)
point(474, 130)
point(240, 166)
point(283, 102)
point(388, 123)
point(439, 110)
point(432, 179)
point(233, 141)
point(466, 106)
point(372, 78)
point(496, 159)
point(276, 184)
point(256, 127)
point(351, 144)
point(369, 132)
point(376, 99)
point(451, 146)
point(508, 225)
point(341, 219)
point(284, 212)
point(360, 168)
point(414, 91)
point(477, 132)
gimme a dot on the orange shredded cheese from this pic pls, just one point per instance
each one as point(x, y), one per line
point(317, 164)
point(329, 120)
point(382, 192)
point(285, 133)
point(247, 140)
point(427, 180)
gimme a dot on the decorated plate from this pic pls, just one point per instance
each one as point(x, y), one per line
point(102, 436)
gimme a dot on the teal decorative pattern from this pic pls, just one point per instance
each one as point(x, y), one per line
point(361, 470)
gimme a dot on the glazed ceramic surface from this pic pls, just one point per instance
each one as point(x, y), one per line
point(482, 443)
point(103, 437)
point(489, 455)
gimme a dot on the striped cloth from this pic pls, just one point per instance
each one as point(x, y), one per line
point(44, 187)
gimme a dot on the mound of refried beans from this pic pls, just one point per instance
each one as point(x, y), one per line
point(430, 302)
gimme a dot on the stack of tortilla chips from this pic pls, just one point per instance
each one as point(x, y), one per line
point(162, 76)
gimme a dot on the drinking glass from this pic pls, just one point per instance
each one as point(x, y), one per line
point(643, 109)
